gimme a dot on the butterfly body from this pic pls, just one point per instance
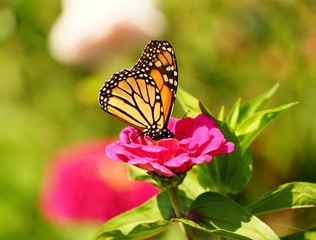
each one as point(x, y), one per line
point(144, 96)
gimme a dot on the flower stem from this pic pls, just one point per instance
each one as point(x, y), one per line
point(174, 196)
point(175, 201)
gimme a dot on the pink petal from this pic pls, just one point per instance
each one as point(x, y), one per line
point(229, 147)
point(171, 145)
point(125, 134)
point(226, 148)
point(177, 162)
point(202, 159)
point(205, 120)
point(200, 136)
point(138, 161)
point(153, 149)
point(161, 154)
point(116, 152)
point(143, 163)
point(180, 164)
point(135, 150)
point(172, 124)
point(213, 145)
point(161, 170)
point(184, 128)
point(216, 133)
point(148, 141)
point(131, 135)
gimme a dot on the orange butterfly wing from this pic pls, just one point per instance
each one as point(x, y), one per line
point(159, 61)
point(144, 96)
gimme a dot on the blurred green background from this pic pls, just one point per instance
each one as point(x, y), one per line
point(225, 50)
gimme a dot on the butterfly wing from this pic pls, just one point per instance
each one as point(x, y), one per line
point(133, 97)
point(144, 96)
point(159, 61)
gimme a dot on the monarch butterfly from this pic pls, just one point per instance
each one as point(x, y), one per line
point(144, 96)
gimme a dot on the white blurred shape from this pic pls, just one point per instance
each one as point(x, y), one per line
point(87, 30)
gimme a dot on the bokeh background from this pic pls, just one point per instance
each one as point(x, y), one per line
point(225, 50)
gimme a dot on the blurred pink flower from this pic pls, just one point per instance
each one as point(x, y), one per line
point(196, 141)
point(81, 184)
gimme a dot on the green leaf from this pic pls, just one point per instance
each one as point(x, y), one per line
point(222, 115)
point(250, 127)
point(142, 222)
point(252, 106)
point(289, 195)
point(189, 103)
point(216, 214)
point(234, 115)
point(306, 235)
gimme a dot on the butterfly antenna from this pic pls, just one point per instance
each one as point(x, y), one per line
point(135, 138)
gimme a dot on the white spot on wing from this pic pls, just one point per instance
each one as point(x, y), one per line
point(158, 64)
point(165, 77)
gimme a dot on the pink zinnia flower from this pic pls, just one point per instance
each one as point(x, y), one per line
point(82, 184)
point(196, 141)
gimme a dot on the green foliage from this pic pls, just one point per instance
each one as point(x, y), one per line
point(189, 103)
point(289, 195)
point(232, 172)
point(147, 220)
point(247, 121)
point(214, 213)
point(211, 212)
